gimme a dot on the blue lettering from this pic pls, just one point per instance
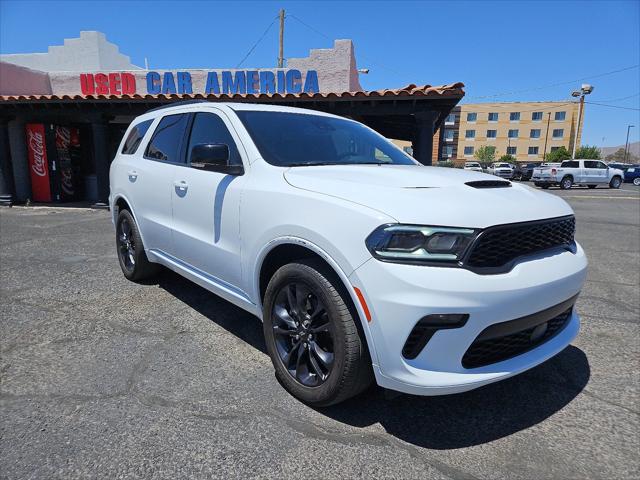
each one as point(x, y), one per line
point(294, 81)
point(236, 85)
point(267, 82)
point(311, 82)
point(184, 82)
point(153, 83)
point(253, 84)
point(168, 84)
point(281, 82)
point(213, 86)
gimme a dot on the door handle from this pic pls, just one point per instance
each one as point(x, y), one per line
point(181, 185)
point(133, 175)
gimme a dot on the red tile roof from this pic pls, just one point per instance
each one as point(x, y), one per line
point(454, 90)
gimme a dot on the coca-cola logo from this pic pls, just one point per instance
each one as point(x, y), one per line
point(36, 145)
point(63, 137)
point(67, 181)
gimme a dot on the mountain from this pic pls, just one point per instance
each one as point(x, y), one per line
point(634, 148)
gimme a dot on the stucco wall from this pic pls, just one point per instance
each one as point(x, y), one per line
point(16, 80)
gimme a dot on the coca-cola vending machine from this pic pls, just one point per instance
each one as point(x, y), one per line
point(54, 162)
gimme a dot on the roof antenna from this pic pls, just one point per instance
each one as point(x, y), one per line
point(146, 63)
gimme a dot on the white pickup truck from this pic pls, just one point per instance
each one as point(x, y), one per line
point(578, 172)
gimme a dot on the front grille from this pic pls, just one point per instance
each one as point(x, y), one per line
point(492, 350)
point(498, 246)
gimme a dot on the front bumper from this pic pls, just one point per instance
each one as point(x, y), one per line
point(399, 295)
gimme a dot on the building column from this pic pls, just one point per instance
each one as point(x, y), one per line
point(6, 175)
point(19, 162)
point(423, 137)
point(100, 134)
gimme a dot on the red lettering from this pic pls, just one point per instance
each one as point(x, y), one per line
point(87, 87)
point(128, 84)
point(114, 83)
point(102, 84)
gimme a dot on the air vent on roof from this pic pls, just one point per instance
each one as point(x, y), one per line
point(489, 184)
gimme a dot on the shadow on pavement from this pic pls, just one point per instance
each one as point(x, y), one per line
point(444, 422)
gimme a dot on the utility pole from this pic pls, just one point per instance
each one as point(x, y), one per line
point(575, 137)
point(546, 136)
point(626, 145)
point(281, 50)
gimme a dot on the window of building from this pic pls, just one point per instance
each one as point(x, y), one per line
point(209, 128)
point(135, 137)
point(536, 116)
point(492, 133)
point(514, 116)
point(167, 139)
point(511, 150)
point(447, 151)
point(468, 151)
point(513, 133)
point(451, 119)
point(558, 132)
point(470, 134)
point(533, 151)
point(535, 133)
point(553, 149)
point(448, 134)
point(493, 117)
point(560, 116)
point(471, 117)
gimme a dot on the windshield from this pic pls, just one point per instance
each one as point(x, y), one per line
point(503, 165)
point(294, 139)
point(472, 164)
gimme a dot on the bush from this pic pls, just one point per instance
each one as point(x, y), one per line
point(589, 152)
point(557, 155)
point(508, 158)
point(486, 155)
point(447, 164)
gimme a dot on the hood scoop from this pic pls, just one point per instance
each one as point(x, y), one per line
point(489, 184)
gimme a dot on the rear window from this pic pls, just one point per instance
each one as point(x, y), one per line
point(571, 164)
point(135, 137)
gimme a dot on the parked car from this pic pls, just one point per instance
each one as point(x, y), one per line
point(619, 166)
point(578, 172)
point(632, 174)
point(526, 171)
point(474, 166)
point(361, 263)
point(504, 170)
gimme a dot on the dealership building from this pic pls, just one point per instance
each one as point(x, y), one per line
point(64, 112)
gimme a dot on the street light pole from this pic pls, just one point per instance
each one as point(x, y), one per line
point(586, 89)
point(546, 136)
point(626, 145)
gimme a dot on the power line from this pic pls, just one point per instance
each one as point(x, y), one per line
point(256, 44)
point(620, 98)
point(514, 92)
point(613, 106)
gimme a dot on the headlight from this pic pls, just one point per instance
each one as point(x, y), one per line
point(420, 244)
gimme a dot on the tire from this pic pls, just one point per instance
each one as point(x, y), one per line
point(615, 182)
point(309, 291)
point(131, 255)
point(566, 183)
point(592, 186)
point(636, 181)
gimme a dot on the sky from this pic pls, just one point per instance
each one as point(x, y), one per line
point(501, 50)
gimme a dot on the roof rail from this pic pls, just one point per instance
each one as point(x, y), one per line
point(177, 104)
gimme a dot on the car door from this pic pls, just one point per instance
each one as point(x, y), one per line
point(206, 205)
point(591, 174)
point(603, 172)
point(151, 181)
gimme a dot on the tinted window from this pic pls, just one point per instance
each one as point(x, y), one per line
point(601, 165)
point(558, 132)
point(209, 128)
point(135, 137)
point(536, 116)
point(294, 139)
point(470, 134)
point(493, 117)
point(491, 133)
point(571, 164)
point(590, 164)
point(560, 115)
point(167, 139)
point(471, 117)
point(535, 133)
point(514, 116)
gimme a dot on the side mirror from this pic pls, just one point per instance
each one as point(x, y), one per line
point(214, 157)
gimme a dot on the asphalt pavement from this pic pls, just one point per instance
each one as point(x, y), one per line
point(104, 378)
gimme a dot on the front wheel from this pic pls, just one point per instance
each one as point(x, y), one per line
point(133, 260)
point(615, 182)
point(316, 348)
point(636, 181)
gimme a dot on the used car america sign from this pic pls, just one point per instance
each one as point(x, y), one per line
point(217, 82)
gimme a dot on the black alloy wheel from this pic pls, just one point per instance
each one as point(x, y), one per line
point(126, 245)
point(303, 335)
point(131, 255)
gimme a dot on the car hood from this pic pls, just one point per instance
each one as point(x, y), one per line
point(429, 195)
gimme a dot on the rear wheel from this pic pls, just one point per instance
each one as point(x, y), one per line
point(615, 182)
point(133, 260)
point(566, 183)
point(592, 186)
point(316, 348)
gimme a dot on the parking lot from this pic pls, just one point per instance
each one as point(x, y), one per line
point(104, 378)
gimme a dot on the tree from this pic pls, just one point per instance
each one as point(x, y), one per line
point(485, 154)
point(508, 158)
point(557, 155)
point(590, 152)
point(618, 157)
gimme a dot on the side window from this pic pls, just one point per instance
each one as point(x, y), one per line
point(167, 139)
point(590, 164)
point(135, 137)
point(570, 164)
point(209, 128)
point(601, 165)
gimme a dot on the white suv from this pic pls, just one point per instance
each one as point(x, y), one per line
point(361, 262)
